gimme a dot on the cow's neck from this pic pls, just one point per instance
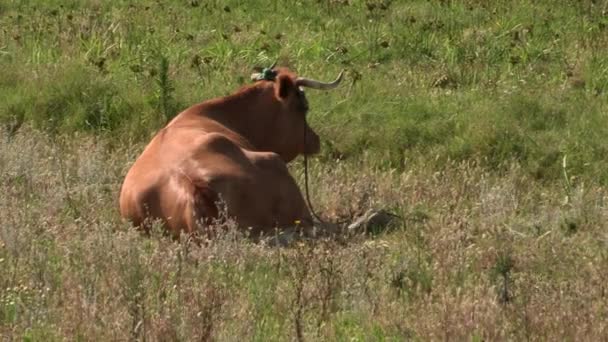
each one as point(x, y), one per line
point(248, 114)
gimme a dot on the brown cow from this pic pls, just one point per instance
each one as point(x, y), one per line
point(233, 149)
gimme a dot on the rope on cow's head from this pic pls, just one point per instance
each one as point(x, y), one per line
point(312, 210)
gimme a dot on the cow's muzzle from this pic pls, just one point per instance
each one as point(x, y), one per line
point(312, 142)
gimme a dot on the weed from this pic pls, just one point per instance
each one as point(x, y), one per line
point(502, 271)
point(165, 99)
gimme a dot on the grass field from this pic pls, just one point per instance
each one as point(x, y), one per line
point(481, 123)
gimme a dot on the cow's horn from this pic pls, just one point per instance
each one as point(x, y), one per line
point(305, 82)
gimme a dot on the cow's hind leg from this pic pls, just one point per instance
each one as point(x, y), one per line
point(205, 210)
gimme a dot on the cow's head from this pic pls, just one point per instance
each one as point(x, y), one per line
point(291, 133)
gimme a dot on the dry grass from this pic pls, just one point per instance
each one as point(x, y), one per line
point(479, 256)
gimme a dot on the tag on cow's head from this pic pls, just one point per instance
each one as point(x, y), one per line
point(268, 74)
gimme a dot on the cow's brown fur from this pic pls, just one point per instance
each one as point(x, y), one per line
point(232, 149)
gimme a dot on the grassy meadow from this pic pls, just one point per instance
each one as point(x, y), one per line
point(483, 124)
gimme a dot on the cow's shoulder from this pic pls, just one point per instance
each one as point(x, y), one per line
point(217, 143)
point(269, 161)
point(214, 157)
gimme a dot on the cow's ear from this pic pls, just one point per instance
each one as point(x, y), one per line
point(285, 85)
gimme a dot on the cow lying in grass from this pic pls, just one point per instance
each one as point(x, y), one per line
point(232, 150)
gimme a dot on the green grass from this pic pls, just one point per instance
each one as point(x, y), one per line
point(464, 80)
point(482, 123)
